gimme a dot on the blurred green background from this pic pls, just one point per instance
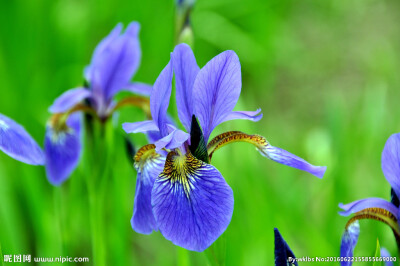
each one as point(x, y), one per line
point(325, 73)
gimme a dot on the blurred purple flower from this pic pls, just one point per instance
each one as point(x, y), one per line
point(191, 202)
point(18, 144)
point(375, 208)
point(114, 62)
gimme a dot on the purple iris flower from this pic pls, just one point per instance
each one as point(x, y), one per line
point(18, 144)
point(114, 62)
point(178, 191)
point(283, 254)
point(375, 208)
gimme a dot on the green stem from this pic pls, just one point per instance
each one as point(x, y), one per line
point(96, 178)
point(58, 217)
point(1, 255)
point(183, 257)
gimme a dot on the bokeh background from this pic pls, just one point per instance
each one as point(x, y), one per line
point(325, 73)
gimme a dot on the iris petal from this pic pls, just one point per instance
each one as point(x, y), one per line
point(138, 88)
point(69, 99)
point(142, 127)
point(116, 60)
point(391, 162)
point(149, 165)
point(349, 241)
point(159, 99)
point(276, 154)
point(63, 149)
point(385, 254)
point(191, 201)
point(248, 115)
point(282, 250)
point(362, 204)
point(216, 90)
point(16, 142)
point(185, 70)
point(173, 140)
point(284, 157)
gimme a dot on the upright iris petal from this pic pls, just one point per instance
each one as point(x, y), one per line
point(63, 149)
point(391, 162)
point(18, 144)
point(116, 60)
point(192, 202)
point(185, 70)
point(216, 90)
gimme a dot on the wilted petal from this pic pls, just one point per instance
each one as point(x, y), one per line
point(138, 88)
point(282, 251)
point(149, 165)
point(159, 99)
point(140, 127)
point(248, 115)
point(385, 254)
point(185, 70)
point(391, 162)
point(63, 149)
point(173, 140)
point(18, 144)
point(360, 205)
point(191, 201)
point(284, 157)
point(349, 241)
point(216, 90)
point(69, 99)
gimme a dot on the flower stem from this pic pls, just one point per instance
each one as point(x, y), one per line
point(183, 257)
point(1, 255)
point(97, 155)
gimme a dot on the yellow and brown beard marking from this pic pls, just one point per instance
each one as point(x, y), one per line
point(235, 136)
point(144, 154)
point(181, 170)
point(377, 214)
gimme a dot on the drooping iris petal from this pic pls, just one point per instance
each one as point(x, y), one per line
point(349, 241)
point(116, 61)
point(185, 70)
point(16, 142)
point(138, 88)
point(191, 201)
point(391, 162)
point(360, 205)
point(149, 165)
point(248, 115)
point(216, 90)
point(284, 157)
point(385, 254)
point(69, 99)
point(142, 127)
point(282, 251)
point(263, 146)
point(159, 98)
point(173, 140)
point(63, 149)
